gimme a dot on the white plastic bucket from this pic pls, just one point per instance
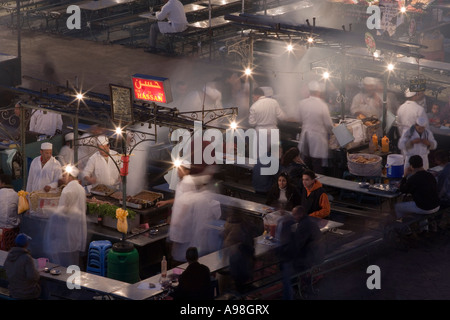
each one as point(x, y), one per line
point(394, 165)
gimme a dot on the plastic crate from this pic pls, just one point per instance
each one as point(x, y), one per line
point(8, 238)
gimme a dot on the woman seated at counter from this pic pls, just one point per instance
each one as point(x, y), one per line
point(314, 198)
point(284, 194)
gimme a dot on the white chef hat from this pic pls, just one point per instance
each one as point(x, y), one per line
point(212, 93)
point(316, 86)
point(268, 91)
point(409, 94)
point(72, 170)
point(46, 146)
point(69, 136)
point(370, 81)
point(102, 140)
point(421, 121)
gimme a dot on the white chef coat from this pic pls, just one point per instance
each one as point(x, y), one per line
point(48, 175)
point(407, 115)
point(417, 148)
point(45, 122)
point(9, 217)
point(191, 223)
point(67, 228)
point(183, 186)
point(264, 113)
point(105, 171)
point(367, 105)
point(173, 11)
point(209, 99)
point(314, 117)
point(86, 148)
point(65, 156)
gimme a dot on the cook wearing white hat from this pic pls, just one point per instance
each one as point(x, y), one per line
point(69, 136)
point(46, 146)
point(316, 86)
point(66, 153)
point(421, 121)
point(409, 94)
point(101, 166)
point(417, 140)
point(102, 140)
point(268, 91)
point(45, 170)
point(369, 81)
point(72, 170)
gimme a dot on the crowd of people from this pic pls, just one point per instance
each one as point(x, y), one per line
point(294, 188)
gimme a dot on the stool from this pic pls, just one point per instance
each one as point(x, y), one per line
point(8, 237)
point(97, 257)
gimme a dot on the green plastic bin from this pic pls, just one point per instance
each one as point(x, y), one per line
point(123, 263)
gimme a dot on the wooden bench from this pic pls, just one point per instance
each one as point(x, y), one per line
point(113, 23)
point(414, 224)
point(189, 36)
point(134, 28)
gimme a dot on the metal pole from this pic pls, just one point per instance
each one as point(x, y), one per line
point(22, 147)
point(385, 102)
point(124, 178)
point(250, 65)
point(75, 136)
point(343, 76)
point(19, 49)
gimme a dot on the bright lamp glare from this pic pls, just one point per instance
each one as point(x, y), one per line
point(177, 163)
point(118, 130)
point(233, 125)
point(310, 40)
point(390, 67)
point(290, 47)
point(326, 75)
point(80, 96)
point(69, 169)
point(248, 71)
point(402, 9)
point(375, 54)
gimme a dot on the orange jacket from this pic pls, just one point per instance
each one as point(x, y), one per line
point(324, 203)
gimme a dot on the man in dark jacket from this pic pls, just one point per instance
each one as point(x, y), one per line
point(22, 275)
point(303, 250)
point(422, 186)
point(195, 282)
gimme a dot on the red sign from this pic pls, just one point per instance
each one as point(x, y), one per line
point(154, 89)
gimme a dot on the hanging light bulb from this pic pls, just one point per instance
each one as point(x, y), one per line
point(177, 163)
